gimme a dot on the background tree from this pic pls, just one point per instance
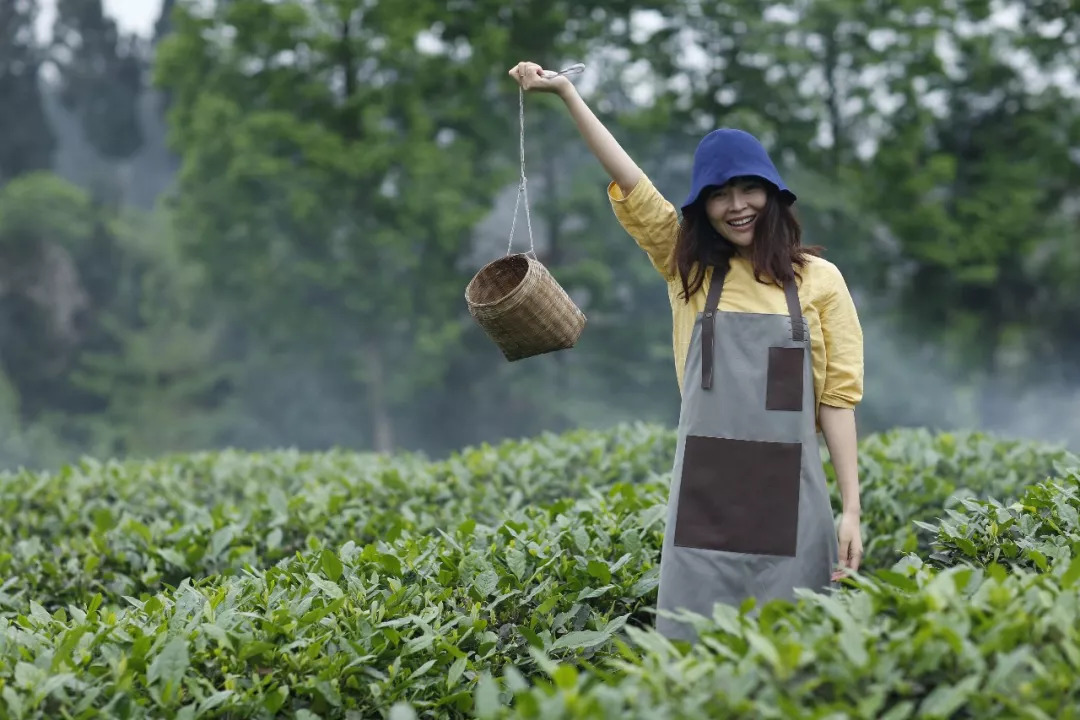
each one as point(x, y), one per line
point(44, 225)
point(154, 365)
point(290, 270)
point(100, 81)
point(976, 184)
point(345, 195)
point(28, 141)
point(100, 76)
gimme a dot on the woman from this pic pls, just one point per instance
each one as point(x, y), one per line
point(768, 351)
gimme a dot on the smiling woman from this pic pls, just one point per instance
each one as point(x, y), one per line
point(768, 349)
point(745, 216)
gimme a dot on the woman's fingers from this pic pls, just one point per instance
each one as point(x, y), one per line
point(519, 71)
point(529, 75)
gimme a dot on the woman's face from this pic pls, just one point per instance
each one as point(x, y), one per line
point(734, 208)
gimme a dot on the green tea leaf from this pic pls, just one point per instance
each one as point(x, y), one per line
point(487, 582)
point(580, 639)
point(170, 664)
point(402, 711)
point(487, 697)
point(581, 538)
point(1072, 573)
point(516, 561)
point(600, 571)
point(330, 588)
point(944, 700)
point(456, 671)
point(331, 565)
point(215, 700)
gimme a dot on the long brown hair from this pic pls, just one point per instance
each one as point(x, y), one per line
point(775, 253)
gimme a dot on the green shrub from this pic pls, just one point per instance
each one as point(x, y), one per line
point(1038, 531)
point(340, 585)
point(413, 617)
point(962, 643)
point(913, 475)
point(131, 528)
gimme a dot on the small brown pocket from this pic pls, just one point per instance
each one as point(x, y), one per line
point(739, 496)
point(784, 389)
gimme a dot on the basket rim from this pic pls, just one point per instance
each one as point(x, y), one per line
point(530, 272)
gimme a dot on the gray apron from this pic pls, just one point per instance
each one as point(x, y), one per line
point(748, 511)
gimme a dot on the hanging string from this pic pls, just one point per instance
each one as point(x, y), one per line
point(575, 69)
point(523, 191)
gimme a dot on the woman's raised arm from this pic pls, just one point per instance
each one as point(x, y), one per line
point(618, 164)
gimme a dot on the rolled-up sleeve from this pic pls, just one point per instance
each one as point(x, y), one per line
point(650, 219)
point(842, 332)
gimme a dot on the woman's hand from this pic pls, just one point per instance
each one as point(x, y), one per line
point(530, 77)
point(851, 546)
point(600, 141)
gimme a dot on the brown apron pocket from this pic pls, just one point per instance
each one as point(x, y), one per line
point(739, 496)
point(784, 389)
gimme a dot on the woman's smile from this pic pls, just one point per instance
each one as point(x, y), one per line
point(743, 224)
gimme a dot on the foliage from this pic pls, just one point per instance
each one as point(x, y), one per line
point(350, 585)
point(46, 224)
point(914, 643)
point(341, 168)
point(1039, 529)
point(355, 626)
point(908, 475)
point(337, 170)
point(108, 341)
point(100, 75)
point(151, 366)
point(27, 141)
point(125, 528)
point(219, 512)
point(40, 208)
point(938, 166)
point(450, 594)
point(340, 214)
point(985, 630)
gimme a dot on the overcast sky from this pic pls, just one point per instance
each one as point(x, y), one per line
point(131, 15)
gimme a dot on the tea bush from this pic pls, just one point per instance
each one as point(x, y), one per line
point(962, 643)
point(909, 475)
point(1034, 532)
point(334, 584)
point(128, 528)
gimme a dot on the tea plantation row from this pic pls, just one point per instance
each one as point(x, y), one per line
point(518, 581)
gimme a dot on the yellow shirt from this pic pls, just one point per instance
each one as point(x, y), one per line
point(836, 339)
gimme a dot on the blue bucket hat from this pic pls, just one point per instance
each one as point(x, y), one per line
point(728, 153)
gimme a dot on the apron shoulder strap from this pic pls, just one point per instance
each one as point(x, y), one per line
point(708, 320)
point(708, 324)
point(794, 310)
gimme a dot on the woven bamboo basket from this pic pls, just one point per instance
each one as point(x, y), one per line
point(522, 308)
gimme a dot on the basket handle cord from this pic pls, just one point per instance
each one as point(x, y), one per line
point(522, 189)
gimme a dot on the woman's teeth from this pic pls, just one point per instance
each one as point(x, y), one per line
point(742, 223)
